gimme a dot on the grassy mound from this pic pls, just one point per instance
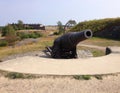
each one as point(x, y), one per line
point(106, 28)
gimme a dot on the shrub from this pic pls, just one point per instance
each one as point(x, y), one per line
point(55, 33)
point(32, 35)
point(8, 30)
point(10, 35)
point(11, 39)
point(29, 35)
point(3, 43)
point(38, 34)
point(35, 35)
point(23, 35)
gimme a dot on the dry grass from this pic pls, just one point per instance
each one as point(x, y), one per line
point(47, 41)
point(6, 51)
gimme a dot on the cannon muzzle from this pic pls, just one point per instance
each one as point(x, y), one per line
point(88, 33)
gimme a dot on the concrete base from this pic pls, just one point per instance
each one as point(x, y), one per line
point(47, 66)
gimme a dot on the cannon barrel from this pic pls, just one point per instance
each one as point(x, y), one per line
point(71, 39)
point(76, 37)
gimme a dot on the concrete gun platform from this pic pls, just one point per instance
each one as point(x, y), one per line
point(47, 66)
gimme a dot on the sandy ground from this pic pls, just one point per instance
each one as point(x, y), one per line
point(109, 84)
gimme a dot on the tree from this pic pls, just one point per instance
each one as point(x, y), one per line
point(1, 28)
point(15, 26)
point(8, 30)
point(69, 24)
point(10, 34)
point(20, 25)
point(60, 27)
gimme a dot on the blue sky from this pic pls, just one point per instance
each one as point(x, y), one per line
point(49, 12)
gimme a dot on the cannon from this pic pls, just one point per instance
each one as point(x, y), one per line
point(65, 45)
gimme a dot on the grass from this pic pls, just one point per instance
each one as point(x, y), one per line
point(95, 52)
point(15, 75)
point(82, 77)
point(6, 51)
point(47, 41)
point(102, 42)
point(88, 77)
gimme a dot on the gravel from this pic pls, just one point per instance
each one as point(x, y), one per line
point(109, 84)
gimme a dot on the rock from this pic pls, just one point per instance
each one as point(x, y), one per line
point(84, 54)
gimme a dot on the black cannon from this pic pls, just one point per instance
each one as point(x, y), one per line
point(65, 45)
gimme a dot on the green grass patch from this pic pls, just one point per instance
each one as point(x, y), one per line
point(15, 75)
point(87, 77)
point(102, 42)
point(23, 35)
point(3, 43)
point(82, 77)
point(95, 52)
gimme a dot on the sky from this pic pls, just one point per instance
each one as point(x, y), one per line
point(49, 12)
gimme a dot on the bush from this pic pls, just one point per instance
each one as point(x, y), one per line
point(38, 34)
point(11, 39)
point(29, 35)
point(8, 30)
point(56, 33)
point(3, 43)
point(23, 35)
point(33, 35)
